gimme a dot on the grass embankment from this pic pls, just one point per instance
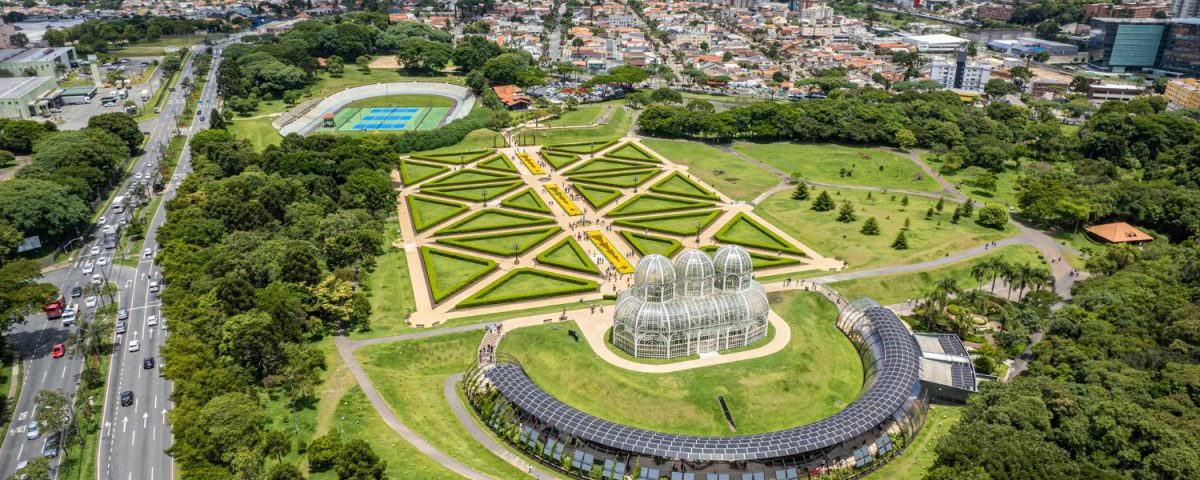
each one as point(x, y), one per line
point(893, 289)
point(919, 456)
point(733, 176)
point(616, 127)
point(430, 101)
point(815, 376)
point(842, 165)
point(927, 238)
point(580, 116)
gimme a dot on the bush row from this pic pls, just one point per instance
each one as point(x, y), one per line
point(503, 249)
point(783, 245)
point(585, 264)
point(662, 188)
point(431, 273)
point(477, 300)
point(415, 212)
point(693, 205)
point(655, 223)
point(529, 221)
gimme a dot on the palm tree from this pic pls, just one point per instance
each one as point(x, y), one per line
point(1022, 277)
point(981, 270)
point(999, 268)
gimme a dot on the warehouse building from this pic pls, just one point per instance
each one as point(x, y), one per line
point(45, 62)
point(26, 97)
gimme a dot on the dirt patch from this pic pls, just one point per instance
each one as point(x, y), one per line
point(8, 172)
point(385, 62)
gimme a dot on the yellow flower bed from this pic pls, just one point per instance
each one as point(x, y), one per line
point(561, 197)
point(610, 252)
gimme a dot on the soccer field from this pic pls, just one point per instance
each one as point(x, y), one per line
point(386, 119)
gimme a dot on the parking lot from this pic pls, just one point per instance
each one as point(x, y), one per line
point(75, 117)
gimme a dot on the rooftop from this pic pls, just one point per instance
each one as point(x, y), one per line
point(19, 86)
point(1119, 232)
point(23, 55)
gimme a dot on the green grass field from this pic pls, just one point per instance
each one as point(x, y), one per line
point(782, 390)
point(824, 162)
point(409, 375)
point(927, 239)
point(389, 289)
point(919, 456)
point(616, 127)
point(737, 178)
point(580, 116)
point(482, 138)
point(893, 289)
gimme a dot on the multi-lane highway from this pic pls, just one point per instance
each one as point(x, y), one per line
point(134, 437)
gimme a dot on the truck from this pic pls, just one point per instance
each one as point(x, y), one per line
point(109, 237)
point(55, 309)
point(127, 83)
point(118, 204)
point(145, 94)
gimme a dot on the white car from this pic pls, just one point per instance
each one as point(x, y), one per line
point(88, 268)
point(97, 279)
point(138, 175)
point(103, 220)
point(147, 253)
point(135, 345)
point(102, 261)
point(163, 324)
point(149, 164)
point(152, 320)
point(32, 432)
point(95, 249)
point(90, 301)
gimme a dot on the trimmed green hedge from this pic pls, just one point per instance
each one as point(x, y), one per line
point(430, 272)
point(782, 245)
point(648, 157)
point(559, 159)
point(585, 264)
point(412, 179)
point(461, 192)
point(677, 176)
point(622, 180)
point(591, 194)
point(504, 248)
point(576, 285)
point(638, 241)
point(518, 219)
point(516, 201)
point(582, 148)
point(679, 204)
point(504, 165)
point(471, 176)
point(420, 223)
point(455, 158)
point(759, 260)
point(661, 223)
point(590, 168)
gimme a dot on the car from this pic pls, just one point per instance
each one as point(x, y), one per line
point(97, 279)
point(149, 164)
point(120, 328)
point(102, 221)
point(161, 368)
point(102, 261)
point(135, 345)
point(147, 252)
point(76, 292)
point(88, 268)
point(32, 432)
point(148, 363)
point(122, 314)
point(152, 320)
point(127, 398)
point(50, 449)
point(154, 286)
point(110, 104)
point(163, 323)
point(21, 466)
point(90, 301)
point(55, 110)
point(124, 221)
point(95, 249)
point(138, 175)
point(58, 351)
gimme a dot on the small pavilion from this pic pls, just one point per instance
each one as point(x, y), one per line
point(1119, 232)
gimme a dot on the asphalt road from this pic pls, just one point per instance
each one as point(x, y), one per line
point(133, 438)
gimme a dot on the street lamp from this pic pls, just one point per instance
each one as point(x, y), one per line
point(516, 249)
point(697, 233)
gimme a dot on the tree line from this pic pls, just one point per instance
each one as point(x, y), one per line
point(98, 36)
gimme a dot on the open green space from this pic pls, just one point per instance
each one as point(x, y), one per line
point(815, 376)
point(559, 159)
point(584, 147)
point(603, 165)
point(474, 193)
point(901, 287)
point(733, 176)
point(580, 116)
point(569, 255)
point(745, 231)
point(494, 219)
point(919, 456)
point(155, 48)
point(597, 196)
point(449, 272)
point(644, 203)
point(499, 162)
point(630, 151)
point(616, 127)
point(759, 261)
point(257, 130)
point(469, 176)
point(650, 244)
point(389, 288)
point(410, 376)
point(412, 172)
point(458, 157)
point(427, 212)
point(502, 243)
point(842, 165)
point(927, 238)
point(678, 184)
point(478, 139)
point(527, 200)
point(687, 223)
point(527, 284)
point(406, 100)
point(622, 180)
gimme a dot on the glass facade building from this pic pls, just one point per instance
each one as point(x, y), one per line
point(1136, 44)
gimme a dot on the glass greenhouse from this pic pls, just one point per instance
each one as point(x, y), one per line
point(697, 305)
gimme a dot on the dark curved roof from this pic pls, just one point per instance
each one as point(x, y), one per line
point(892, 385)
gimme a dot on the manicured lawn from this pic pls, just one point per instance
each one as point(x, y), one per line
point(1005, 192)
point(493, 219)
point(899, 288)
point(528, 284)
point(632, 151)
point(678, 184)
point(156, 48)
point(919, 456)
point(801, 384)
point(410, 377)
point(616, 127)
point(597, 196)
point(427, 212)
point(757, 260)
point(389, 289)
point(601, 165)
point(478, 139)
point(1080, 241)
point(736, 178)
point(569, 255)
point(626, 179)
point(502, 243)
point(412, 171)
point(449, 272)
point(745, 231)
point(579, 116)
point(824, 162)
point(472, 193)
point(646, 203)
point(469, 177)
point(258, 131)
point(650, 244)
point(686, 223)
point(927, 239)
point(402, 101)
point(527, 200)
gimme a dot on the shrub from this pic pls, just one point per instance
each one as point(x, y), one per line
point(901, 241)
point(801, 192)
point(846, 213)
point(870, 227)
point(993, 216)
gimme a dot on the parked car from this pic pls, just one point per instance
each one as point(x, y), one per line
point(58, 351)
point(50, 449)
point(32, 431)
point(135, 345)
point(127, 398)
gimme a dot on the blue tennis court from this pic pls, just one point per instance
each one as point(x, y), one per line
point(379, 126)
point(382, 118)
point(395, 110)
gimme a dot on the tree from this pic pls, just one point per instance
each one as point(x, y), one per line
point(870, 227)
point(357, 461)
point(284, 471)
point(823, 202)
point(335, 66)
point(18, 40)
point(846, 212)
point(905, 138)
point(1160, 85)
point(121, 125)
point(55, 37)
point(324, 451)
point(1079, 84)
point(993, 216)
point(941, 204)
point(363, 63)
point(998, 87)
point(801, 191)
point(904, 202)
point(1022, 72)
point(473, 51)
point(41, 207)
point(666, 95)
point(38, 468)
point(276, 444)
point(901, 241)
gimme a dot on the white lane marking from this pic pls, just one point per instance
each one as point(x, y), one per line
point(124, 422)
point(64, 374)
point(133, 438)
point(145, 418)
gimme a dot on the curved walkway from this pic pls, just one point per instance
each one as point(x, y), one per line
point(468, 422)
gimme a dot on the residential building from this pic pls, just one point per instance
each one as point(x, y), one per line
point(512, 97)
point(23, 97)
point(937, 43)
point(1000, 10)
point(959, 74)
point(1146, 9)
point(1185, 8)
point(1183, 93)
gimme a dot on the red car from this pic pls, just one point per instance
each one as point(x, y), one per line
point(58, 351)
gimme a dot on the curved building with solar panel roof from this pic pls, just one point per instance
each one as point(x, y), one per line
point(695, 305)
point(902, 372)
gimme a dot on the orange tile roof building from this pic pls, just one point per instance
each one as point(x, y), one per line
point(1119, 232)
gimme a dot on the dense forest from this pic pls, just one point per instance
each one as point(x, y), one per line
point(261, 253)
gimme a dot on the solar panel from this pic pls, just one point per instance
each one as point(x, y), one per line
point(963, 376)
point(952, 345)
point(896, 375)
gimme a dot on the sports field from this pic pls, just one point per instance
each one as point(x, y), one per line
point(386, 118)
